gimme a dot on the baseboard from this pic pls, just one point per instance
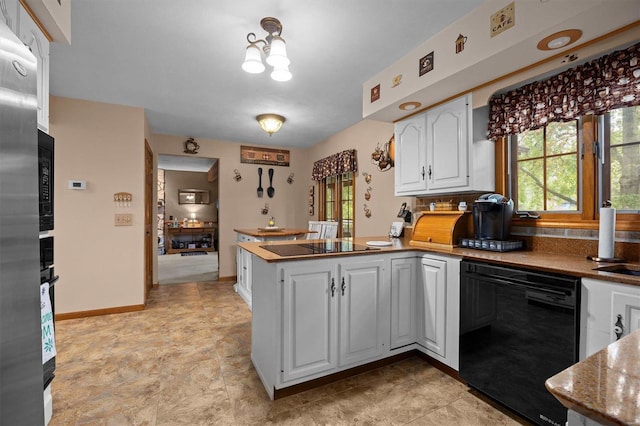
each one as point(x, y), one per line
point(98, 312)
point(229, 278)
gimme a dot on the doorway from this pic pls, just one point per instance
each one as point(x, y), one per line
point(187, 219)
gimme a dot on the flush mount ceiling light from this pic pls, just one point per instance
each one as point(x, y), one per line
point(274, 49)
point(559, 39)
point(270, 123)
point(408, 106)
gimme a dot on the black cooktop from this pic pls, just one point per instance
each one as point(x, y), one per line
point(301, 249)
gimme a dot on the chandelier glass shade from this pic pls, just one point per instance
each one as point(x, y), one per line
point(270, 123)
point(274, 48)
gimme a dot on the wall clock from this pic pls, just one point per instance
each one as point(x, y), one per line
point(191, 146)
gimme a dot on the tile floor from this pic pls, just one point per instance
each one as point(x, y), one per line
point(185, 361)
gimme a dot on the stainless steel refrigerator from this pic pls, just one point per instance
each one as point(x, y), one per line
point(21, 377)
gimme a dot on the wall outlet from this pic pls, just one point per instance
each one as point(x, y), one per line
point(124, 219)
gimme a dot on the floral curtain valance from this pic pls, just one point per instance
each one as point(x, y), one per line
point(596, 87)
point(336, 164)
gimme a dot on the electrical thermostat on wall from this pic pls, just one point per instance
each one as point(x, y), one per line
point(77, 184)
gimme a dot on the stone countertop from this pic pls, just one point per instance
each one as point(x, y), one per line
point(604, 387)
point(578, 266)
point(281, 232)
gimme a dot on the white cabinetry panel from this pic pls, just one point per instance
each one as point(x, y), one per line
point(33, 38)
point(404, 279)
point(309, 321)
point(361, 311)
point(448, 145)
point(432, 297)
point(410, 160)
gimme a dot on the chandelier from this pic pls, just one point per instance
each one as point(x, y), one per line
point(274, 49)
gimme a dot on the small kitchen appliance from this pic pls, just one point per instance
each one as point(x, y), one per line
point(492, 224)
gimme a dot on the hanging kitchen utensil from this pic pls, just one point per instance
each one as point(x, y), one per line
point(260, 190)
point(270, 190)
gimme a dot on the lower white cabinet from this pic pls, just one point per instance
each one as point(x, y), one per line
point(404, 280)
point(432, 305)
point(312, 318)
point(438, 308)
point(333, 315)
point(309, 319)
point(608, 312)
point(364, 300)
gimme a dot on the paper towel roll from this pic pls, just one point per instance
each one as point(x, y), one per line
point(606, 236)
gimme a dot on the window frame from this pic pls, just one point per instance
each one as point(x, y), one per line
point(587, 217)
point(336, 213)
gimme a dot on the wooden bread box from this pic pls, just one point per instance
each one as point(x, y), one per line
point(441, 228)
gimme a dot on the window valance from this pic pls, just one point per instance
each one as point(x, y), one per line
point(336, 164)
point(596, 87)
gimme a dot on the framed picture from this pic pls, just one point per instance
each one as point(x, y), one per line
point(310, 210)
point(375, 93)
point(310, 200)
point(256, 155)
point(426, 64)
point(311, 190)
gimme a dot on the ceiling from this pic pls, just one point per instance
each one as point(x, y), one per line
point(185, 164)
point(180, 61)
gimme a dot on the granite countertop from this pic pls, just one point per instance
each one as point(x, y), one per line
point(279, 232)
point(567, 264)
point(604, 387)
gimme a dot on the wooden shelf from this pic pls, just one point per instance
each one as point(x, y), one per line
point(189, 235)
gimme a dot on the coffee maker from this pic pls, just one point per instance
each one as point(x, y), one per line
point(492, 217)
point(492, 224)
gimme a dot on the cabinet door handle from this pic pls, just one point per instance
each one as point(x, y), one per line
point(343, 286)
point(422, 172)
point(618, 327)
point(429, 172)
point(333, 287)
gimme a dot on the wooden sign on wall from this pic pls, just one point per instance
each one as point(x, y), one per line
point(256, 155)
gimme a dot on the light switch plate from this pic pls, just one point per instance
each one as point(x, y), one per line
point(123, 219)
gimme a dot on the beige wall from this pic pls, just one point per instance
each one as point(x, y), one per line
point(175, 180)
point(100, 265)
point(364, 137)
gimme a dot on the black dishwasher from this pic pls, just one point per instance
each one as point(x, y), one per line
point(517, 328)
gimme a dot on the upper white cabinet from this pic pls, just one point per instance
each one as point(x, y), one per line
point(609, 311)
point(436, 153)
point(34, 38)
point(9, 13)
point(410, 156)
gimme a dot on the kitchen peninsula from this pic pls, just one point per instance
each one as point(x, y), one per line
point(243, 257)
point(376, 303)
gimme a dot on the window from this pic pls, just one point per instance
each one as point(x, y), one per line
point(546, 173)
point(337, 202)
point(566, 171)
point(620, 171)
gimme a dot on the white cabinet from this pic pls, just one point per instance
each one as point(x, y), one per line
point(334, 316)
point(244, 279)
point(438, 307)
point(404, 280)
point(436, 152)
point(410, 156)
point(447, 141)
point(33, 37)
point(607, 309)
point(363, 300)
point(432, 305)
point(309, 320)
point(9, 12)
